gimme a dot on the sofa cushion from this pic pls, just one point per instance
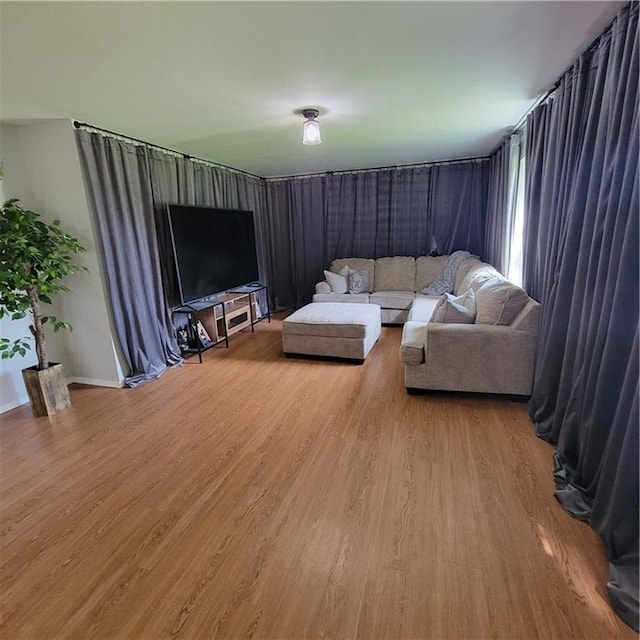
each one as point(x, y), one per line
point(337, 281)
point(357, 264)
point(422, 308)
point(357, 281)
point(428, 269)
point(529, 318)
point(463, 269)
point(332, 320)
point(412, 345)
point(395, 274)
point(392, 299)
point(499, 301)
point(452, 309)
point(476, 277)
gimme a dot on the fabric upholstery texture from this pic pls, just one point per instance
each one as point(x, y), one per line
point(422, 308)
point(472, 357)
point(341, 330)
point(446, 281)
point(362, 298)
point(460, 309)
point(396, 305)
point(499, 301)
point(412, 344)
point(397, 273)
point(323, 287)
point(357, 281)
point(428, 269)
point(392, 299)
point(337, 281)
point(476, 358)
point(394, 316)
point(332, 319)
point(357, 264)
point(529, 318)
point(476, 276)
point(463, 270)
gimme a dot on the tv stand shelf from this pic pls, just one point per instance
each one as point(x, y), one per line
point(211, 321)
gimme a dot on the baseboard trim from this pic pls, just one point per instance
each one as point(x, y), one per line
point(13, 404)
point(97, 382)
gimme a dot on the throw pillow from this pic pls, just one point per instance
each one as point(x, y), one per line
point(460, 310)
point(499, 302)
point(357, 281)
point(337, 281)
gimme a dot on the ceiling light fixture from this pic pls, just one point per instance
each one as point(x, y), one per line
point(311, 129)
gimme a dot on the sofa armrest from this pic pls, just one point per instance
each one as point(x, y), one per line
point(412, 343)
point(323, 287)
point(481, 358)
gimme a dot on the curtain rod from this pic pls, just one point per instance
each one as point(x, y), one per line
point(411, 165)
point(518, 125)
point(113, 134)
point(106, 132)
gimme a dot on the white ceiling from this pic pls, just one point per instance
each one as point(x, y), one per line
point(396, 82)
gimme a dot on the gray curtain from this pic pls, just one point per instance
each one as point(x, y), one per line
point(129, 187)
point(171, 181)
point(117, 180)
point(496, 227)
point(378, 213)
point(297, 239)
point(581, 261)
point(404, 211)
point(457, 207)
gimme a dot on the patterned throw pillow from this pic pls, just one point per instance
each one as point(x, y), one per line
point(460, 310)
point(357, 281)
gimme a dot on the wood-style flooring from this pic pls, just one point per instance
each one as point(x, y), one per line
point(255, 496)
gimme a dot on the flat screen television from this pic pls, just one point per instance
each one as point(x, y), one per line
point(214, 250)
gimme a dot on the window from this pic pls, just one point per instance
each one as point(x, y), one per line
point(514, 271)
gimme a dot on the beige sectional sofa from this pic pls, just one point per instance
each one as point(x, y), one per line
point(393, 283)
point(494, 354)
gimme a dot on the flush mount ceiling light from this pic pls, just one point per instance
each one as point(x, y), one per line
point(311, 129)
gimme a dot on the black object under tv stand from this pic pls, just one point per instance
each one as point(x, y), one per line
point(211, 321)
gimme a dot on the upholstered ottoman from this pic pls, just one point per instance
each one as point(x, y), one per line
point(336, 329)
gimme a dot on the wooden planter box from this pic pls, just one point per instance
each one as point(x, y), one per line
point(47, 389)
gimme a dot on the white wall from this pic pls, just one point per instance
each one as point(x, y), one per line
point(12, 389)
point(42, 168)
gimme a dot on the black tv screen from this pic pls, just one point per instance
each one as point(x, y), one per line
point(214, 249)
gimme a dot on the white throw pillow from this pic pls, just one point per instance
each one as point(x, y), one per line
point(337, 281)
point(460, 310)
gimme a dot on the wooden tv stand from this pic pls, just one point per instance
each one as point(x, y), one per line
point(221, 316)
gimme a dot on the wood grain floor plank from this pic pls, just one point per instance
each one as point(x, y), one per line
point(256, 496)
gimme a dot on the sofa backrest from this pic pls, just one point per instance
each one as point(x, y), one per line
point(428, 269)
point(397, 273)
point(472, 274)
point(529, 317)
point(499, 301)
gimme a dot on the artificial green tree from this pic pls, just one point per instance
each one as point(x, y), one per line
point(35, 257)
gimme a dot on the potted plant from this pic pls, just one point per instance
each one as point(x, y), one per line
point(35, 257)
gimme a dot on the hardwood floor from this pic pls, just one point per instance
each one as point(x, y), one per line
point(255, 496)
